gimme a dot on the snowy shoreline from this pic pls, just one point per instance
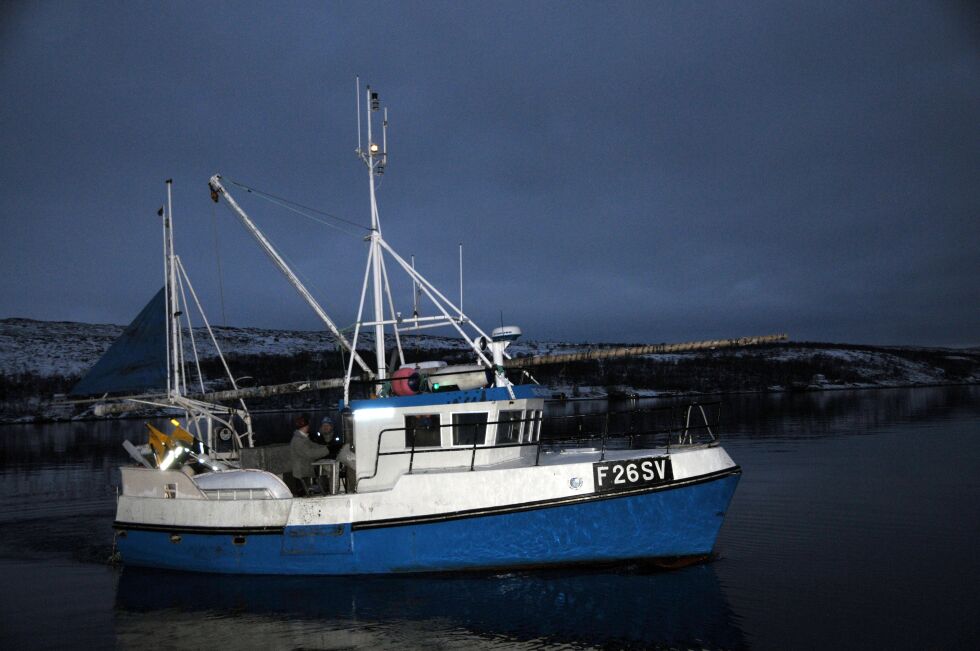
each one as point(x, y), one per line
point(40, 360)
point(596, 396)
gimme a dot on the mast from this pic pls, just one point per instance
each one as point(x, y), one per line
point(173, 311)
point(379, 329)
point(375, 159)
point(164, 218)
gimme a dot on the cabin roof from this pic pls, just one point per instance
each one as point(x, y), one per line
point(521, 392)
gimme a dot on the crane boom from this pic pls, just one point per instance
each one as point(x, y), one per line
point(217, 190)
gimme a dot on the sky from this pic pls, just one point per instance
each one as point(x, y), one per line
point(616, 171)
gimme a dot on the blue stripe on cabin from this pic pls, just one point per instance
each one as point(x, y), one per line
point(521, 392)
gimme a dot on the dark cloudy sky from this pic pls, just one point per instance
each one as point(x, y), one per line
point(616, 171)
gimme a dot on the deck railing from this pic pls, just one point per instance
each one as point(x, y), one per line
point(670, 426)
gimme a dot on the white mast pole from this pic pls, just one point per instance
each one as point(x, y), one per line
point(415, 293)
point(379, 329)
point(461, 279)
point(174, 324)
point(357, 327)
point(166, 288)
point(394, 315)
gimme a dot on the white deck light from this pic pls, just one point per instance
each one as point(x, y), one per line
point(376, 413)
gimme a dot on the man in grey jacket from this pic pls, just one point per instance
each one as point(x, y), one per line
point(303, 452)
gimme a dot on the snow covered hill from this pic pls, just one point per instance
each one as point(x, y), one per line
point(59, 348)
point(39, 359)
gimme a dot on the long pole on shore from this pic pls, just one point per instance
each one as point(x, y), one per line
point(516, 362)
point(634, 351)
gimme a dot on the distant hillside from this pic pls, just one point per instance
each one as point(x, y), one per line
point(66, 349)
point(39, 359)
point(782, 367)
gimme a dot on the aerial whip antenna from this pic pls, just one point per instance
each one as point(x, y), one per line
point(357, 94)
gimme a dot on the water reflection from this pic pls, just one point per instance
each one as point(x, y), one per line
point(830, 413)
point(809, 414)
point(855, 523)
point(96, 445)
point(683, 608)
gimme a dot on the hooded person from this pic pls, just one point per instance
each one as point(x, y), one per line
point(331, 436)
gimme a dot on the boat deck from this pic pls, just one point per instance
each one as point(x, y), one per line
point(549, 457)
point(554, 458)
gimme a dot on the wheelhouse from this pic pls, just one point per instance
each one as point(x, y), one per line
point(444, 431)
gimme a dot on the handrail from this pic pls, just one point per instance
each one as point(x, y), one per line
point(687, 422)
point(684, 433)
point(413, 450)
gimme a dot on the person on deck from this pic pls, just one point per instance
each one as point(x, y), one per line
point(330, 436)
point(303, 452)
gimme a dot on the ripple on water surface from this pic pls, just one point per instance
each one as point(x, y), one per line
point(854, 525)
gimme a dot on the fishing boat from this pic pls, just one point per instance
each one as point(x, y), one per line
point(446, 467)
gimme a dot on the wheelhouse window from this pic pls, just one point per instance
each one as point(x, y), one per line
point(469, 429)
point(533, 426)
point(509, 427)
point(424, 430)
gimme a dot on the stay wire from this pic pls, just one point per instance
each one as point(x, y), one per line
point(217, 257)
point(299, 273)
point(298, 208)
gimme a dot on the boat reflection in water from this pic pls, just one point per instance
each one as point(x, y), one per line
point(623, 608)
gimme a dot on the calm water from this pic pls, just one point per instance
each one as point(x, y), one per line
point(855, 524)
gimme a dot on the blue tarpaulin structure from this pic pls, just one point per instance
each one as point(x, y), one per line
point(137, 361)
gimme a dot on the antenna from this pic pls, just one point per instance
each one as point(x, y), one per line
point(460, 279)
point(384, 143)
point(357, 94)
point(415, 291)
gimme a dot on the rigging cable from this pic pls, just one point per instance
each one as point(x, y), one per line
point(299, 209)
point(217, 257)
point(299, 274)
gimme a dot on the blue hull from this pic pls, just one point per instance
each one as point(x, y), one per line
point(670, 522)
